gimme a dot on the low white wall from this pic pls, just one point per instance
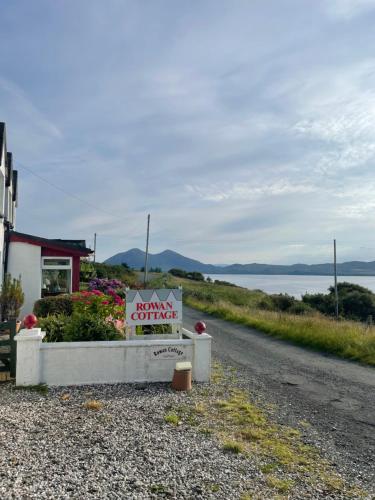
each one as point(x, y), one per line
point(76, 363)
point(25, 260)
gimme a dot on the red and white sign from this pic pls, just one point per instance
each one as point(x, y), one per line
point(154, 307)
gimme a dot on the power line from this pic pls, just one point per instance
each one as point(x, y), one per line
point(67, 193)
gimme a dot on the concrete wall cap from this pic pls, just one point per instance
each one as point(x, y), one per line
point(196, 336)
point(112, 344)
point(30, 334)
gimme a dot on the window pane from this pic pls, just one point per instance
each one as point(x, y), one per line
point(55, 281)
point(56, 262)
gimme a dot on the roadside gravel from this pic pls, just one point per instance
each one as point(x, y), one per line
point(52, 446)
point(56, 448)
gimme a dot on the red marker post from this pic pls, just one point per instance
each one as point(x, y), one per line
point(200, 327)
point(30, 321)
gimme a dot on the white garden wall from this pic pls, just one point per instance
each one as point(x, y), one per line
point(75, 363)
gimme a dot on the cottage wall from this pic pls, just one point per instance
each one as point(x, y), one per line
point(2, 207)
point(25, 260)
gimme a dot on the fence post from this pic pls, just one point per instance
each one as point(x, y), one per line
point(202, 357)
point(28, 356)
point(13, 348)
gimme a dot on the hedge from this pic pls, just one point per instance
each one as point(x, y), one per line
point(60, 304)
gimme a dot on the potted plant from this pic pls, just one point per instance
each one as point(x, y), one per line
point(11, 299)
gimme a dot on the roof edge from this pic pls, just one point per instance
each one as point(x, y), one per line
point(50, 243)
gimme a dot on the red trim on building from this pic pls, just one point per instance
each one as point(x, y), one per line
point(51, 248)
point(50, 244)
point(75, 276)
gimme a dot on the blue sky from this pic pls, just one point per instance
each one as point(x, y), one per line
point(246, 128)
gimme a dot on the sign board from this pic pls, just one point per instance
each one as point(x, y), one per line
point(167, 352)
point(154, 307)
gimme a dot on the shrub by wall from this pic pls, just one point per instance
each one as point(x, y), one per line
point(61, 304)
point(54, 326)
point(86, 327)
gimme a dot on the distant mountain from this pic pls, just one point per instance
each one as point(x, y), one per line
point(168, 259)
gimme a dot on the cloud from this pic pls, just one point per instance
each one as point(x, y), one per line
point(247, 191)
point(241, 148)
point(347, 9)
point(30, 125)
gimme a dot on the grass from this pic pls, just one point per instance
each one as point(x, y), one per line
point(159, 489)
point(93, 404)
point(347, 339)
point(172, 418)
point(40, 388)
point(281, 485)
point(231, 446)
point(243, 426)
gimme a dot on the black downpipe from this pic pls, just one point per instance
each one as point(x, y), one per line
point(7, 241)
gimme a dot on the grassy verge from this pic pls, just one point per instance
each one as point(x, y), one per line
point(347, 339)
point(244, 426)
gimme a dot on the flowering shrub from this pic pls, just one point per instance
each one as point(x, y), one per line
point(96, 302)
point(95, 314)
point(107, 286)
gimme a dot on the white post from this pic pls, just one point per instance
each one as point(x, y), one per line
point(202, 357)
point(28, 356)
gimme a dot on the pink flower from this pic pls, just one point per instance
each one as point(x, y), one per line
point(105, 302)
point(119, 324)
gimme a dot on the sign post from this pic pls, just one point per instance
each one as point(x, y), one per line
point(154, 307)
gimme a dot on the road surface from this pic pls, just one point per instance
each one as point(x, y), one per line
point(337, 397)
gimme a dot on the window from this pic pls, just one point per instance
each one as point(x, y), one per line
point(56, 275)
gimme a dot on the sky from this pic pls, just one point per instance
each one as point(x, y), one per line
point(245, 128)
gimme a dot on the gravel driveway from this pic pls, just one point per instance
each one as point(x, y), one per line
point(55, 448)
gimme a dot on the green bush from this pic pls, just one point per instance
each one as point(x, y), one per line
point(54, 326)
point(61, 304)
point(86, 327)
point(119, 272)
point(355, 301)
point(300, 308)
point(282, 301)
point(192, 275)
point(180, 273)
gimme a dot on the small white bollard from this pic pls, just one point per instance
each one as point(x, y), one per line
point(28, 356)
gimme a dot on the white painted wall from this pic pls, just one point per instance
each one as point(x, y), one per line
point(2, 212)
point(76, 363)
point(25, 260)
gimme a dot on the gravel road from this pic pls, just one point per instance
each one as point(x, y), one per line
point(335, 396)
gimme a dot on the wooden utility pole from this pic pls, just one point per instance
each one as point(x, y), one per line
point(146, 256)
point(94, 247)
point(335, 271)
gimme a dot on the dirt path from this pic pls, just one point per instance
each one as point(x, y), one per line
point(336, 397)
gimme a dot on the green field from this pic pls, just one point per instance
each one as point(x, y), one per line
point(347, 339)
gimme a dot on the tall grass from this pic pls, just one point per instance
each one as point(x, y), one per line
point(347, 339)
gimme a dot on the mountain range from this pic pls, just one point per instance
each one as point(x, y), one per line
point(168, 259)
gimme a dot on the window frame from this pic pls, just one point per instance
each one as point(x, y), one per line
point(57, 268)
